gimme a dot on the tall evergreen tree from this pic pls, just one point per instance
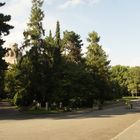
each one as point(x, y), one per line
point(36, 59)
point(35, 31)
point(72, 71)
point(72, 46)
point(4, 30)
point(98, 66)
point(56, 69)
point(57, 35)
point(50, 46)
point(57, 49)
point(50, 39)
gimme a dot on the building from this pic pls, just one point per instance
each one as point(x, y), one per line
point(12, 54)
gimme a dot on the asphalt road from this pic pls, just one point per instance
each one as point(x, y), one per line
point(107, 124)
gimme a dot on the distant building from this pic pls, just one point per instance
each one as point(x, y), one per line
point(12, 55)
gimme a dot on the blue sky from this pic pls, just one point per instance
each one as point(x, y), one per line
point(116, 21)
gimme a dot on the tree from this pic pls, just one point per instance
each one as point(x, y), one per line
point(134, 81)
point(49, 40)
point(57, 49)
point(98, 67)
point(4, 31)
point(119, 76)
point(72, 46)
point(70, 68)
point(36, 59)
point(33, 34)
point(57, 35)
point(56, 67)
point(10, 84)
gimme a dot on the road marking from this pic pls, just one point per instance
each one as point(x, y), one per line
point(121, 133)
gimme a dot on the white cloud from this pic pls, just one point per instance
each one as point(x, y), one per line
point(50, 2)
point(16, 34)
point(19, 11)
point(92, 1)
point(16, 8)
point(71, 3)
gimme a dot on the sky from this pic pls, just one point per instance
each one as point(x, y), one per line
point(116, 21)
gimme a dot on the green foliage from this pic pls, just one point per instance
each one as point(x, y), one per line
point(22, 98)
point(127, 79)
point(119, 76)
point(98, 67)
point(22, 95)
point(72, 46)
point(4, 31)
point(34, 66)
point(54, 70)
point(57, 47)
point(134, 81)
point(35, 30)
point(10, 84)
point(57, 35)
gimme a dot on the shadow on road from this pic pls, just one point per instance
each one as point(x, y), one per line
point(8, 112)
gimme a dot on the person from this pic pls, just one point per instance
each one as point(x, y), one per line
point(129, 104)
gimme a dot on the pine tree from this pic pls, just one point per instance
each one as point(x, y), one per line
point(98, 66)
point(35, 31)
point(36, 59)
point(57, 49)
point(72, 46)
point(56, 67)
point(4, 30)
point(50, 38)
point(57, 35)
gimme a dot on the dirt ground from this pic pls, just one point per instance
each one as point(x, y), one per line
point(97, 125)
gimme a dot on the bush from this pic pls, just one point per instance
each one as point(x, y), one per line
point(17, 99)
point(22, 98)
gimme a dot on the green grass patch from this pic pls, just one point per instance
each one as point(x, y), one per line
point(131, 97)
point(43, 111)
point(6, 100)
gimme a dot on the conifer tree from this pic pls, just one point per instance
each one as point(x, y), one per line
point(4, 31)
point(98, 65)
point(72, 46)
point(36, 58)
point(35, 31)
point(50, 38)
point(57, 49)
point(57, 35)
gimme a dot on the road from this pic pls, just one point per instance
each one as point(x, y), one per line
point(106, 124)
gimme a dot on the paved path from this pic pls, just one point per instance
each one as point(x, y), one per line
point(97, 125)
point(130, 133)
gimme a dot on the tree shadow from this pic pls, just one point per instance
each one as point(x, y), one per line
point(9, 113)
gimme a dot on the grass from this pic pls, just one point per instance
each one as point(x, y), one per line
point(6, 100)
point(128, 98)
point(43, 111)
